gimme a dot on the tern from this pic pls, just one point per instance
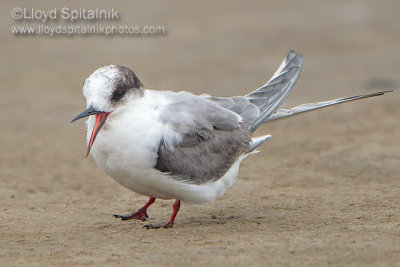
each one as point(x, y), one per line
point(177, 145)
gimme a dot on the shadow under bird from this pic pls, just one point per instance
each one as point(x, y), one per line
point(181, 146)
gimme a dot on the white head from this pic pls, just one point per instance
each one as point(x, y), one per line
point(106, 89)
point(109, 86)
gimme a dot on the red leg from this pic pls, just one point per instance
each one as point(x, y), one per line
point(175, 210)
point(170, 223)
point(140, 214)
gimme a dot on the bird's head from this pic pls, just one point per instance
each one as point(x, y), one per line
point(106, 89)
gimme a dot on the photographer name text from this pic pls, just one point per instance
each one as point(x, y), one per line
point(65, 13)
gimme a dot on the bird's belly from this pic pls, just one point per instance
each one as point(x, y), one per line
point(128, 153)
point(132, 171)
point(146, 180)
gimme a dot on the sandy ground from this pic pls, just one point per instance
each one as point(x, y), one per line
point(323, 191)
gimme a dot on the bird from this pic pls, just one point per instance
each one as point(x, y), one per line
point(177, 145)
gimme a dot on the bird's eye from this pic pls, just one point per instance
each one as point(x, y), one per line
point(118, 94)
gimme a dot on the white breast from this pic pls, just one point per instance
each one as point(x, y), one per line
point(126, 149)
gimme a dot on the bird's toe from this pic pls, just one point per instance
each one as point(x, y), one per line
point(133, 216)
point(151, 226)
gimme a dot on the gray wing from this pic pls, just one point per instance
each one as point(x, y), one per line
point(270, 96)
point(238, 104)
point(217, 130)
point(284, 113)
point(213, 139)
point(258, 106)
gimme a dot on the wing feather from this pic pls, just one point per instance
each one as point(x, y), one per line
point(270, 96)
point(213, 137)
point(284, 113)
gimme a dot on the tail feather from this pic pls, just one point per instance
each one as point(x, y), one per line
point(257, 141)
point(270, 96)
point(284, 113)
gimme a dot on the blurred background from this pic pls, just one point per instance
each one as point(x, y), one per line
point(324, 188)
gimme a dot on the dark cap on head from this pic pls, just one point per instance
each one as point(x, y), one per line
point(125, 80)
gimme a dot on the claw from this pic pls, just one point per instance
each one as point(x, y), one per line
point(139, 215)
point(150, 226)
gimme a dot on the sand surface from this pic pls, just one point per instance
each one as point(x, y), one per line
point(323, 191)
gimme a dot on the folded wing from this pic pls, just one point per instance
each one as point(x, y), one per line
point(213, 138)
